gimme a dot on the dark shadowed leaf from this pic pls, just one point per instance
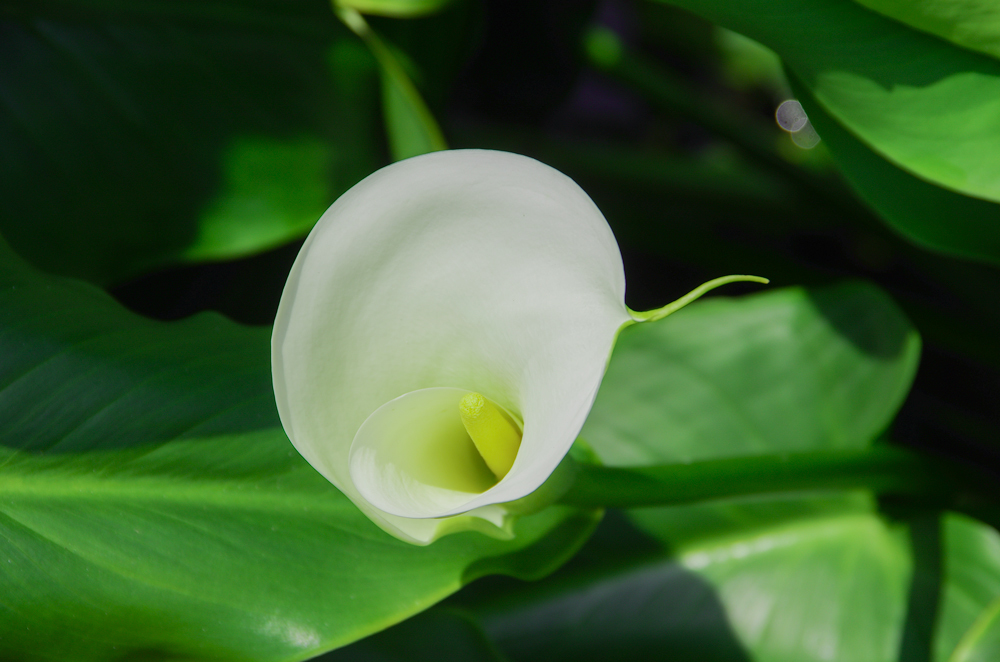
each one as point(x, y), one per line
point(973, 24)
point(134, 135)
point(435, 635)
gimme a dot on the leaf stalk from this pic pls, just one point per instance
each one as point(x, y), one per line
point(885, 470)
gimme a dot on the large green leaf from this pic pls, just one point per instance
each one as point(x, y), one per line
point(929, 107)
point(139, 134)
point(831, 588)
point(152, 508)
point(809, 577)
point(927, 214)
point(974, 24)
point(796, 578)
point(829, 585)
point(785, 370)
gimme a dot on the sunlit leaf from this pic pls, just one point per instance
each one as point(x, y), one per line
point(823, 588)
point(827, 581)
point(973, 24)
point(983, 643)
point(152, 507)
point(927, 106)
point(929, 215)
point(810, 577)
point(784, 370)
point(969, 618)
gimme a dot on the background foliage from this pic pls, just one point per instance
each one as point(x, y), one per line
point(160, 163)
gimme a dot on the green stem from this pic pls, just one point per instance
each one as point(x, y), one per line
point(693, 295)
point(395, 79)
point(884, 470)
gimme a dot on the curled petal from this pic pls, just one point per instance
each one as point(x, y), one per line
point(449, 273)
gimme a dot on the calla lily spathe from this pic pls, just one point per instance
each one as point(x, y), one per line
point(442, 336)
point(448, 273)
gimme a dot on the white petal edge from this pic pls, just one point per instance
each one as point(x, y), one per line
point(468, 269)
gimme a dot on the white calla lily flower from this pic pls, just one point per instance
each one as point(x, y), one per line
point(442, 337)
point(455, 272)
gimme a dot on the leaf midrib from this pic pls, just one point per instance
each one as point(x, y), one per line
point(252, 493)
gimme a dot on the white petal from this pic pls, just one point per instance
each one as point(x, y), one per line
point(473, 270)
point(413, 456)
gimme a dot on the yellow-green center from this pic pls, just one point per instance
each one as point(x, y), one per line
point(495, 436)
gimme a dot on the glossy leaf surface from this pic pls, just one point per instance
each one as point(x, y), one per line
point(150, 506)
point(784, 370)
point(828, 581)
point(927, 106)
point(811, 577)
point(929, 215)
point(924, 104)
point(824, 588)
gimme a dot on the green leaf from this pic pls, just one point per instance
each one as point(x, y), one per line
point(785, 370)
point(136, 135)
point(819, 583)
point(152, 508)
point(927, 214)
point(435, 635)
point(826, 588)
point(969, 621)
point(796, 578)
point(746, 63)
point(973, 24)
point(409, 124)
point(983, 642)
point(271, 194)
point(925, 105)
point(808, 577)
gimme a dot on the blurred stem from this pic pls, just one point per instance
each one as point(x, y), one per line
point(402, 103)
point(673, 94)
point(882, 469)
point(396, 8)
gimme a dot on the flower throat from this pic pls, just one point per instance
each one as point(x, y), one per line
point(495, 437)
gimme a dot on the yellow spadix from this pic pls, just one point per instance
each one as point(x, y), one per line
point(495, 437)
